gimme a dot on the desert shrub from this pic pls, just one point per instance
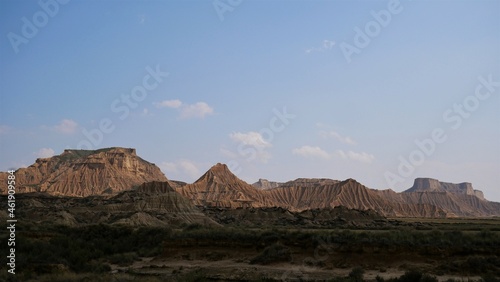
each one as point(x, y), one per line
point(193, 226)
point(416, 276)
point(83, 249)
point(274, 253)
point(193, 276)
point(123, 259)
point(489, 278)
point(356, 274)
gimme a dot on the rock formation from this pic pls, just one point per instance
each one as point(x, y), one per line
point(86, 172)
point(265, 184)
point(219, 187)
point(81, 173)
point(433, 185)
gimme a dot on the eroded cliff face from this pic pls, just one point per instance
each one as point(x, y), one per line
point(87, 172)
point(219, 187)
point(434, 185)
point(108, 171)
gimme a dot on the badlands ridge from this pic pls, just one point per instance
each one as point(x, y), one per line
point(119, 180)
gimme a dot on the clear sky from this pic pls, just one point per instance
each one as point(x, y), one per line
point(379, 91)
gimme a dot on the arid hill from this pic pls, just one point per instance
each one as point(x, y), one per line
point(81, 173)
point(219, 187)
point(456, 199)
point(326, 193)
point(86, 172)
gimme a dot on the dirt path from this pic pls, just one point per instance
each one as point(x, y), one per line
point(234, 271)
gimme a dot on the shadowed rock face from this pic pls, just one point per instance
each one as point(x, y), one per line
point(86, 172)
point(150, 204)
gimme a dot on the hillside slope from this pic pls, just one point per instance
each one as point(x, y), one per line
point(86, 172)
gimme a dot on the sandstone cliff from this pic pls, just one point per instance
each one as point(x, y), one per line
point(434, 185)
point(86, 172)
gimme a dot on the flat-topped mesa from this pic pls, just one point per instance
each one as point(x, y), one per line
point(433, 185)
point(130, 151)
point(309, 182)
point(87, 172)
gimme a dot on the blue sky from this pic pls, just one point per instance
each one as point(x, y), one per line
point(275, 89)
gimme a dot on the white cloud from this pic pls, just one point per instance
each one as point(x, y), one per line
point(338, 137)
point(66, 126)
point(180, 168)
point(252, 145)
point(44, 153)
point(326, 45)
point(198, 110)
point(189, 168)
point(250, 138)
point(167, 167)
point(355, 156)
point(311, 152)
point(168, 104)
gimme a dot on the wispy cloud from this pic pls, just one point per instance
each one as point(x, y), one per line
point(315, 152)
point(251, 138)
point(44, 153)
point(356, 156)
point(337, 136)
point(66, 126)
point(4, 129)
point(141, 18)
point(181, 167)
point(253, 143)
point(327, 45)
point(168, 104)
point(197, 110)
point(311, 152)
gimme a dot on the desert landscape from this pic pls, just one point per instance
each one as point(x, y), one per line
point(109, 215)
point(249, 140)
